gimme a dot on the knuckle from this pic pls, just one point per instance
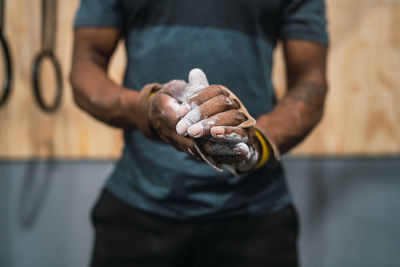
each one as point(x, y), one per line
point(213, 88)
point(206, 125)
point(235, 103)
point(198, 99)
point(224, 100)
point(223, 91)
point(218, 90)
point(240, 117)
point(191, 100)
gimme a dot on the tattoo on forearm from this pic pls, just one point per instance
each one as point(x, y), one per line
point(309, 93)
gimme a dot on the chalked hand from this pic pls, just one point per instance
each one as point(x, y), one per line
point(161, 115)
point(221, 126)
point(250, 149)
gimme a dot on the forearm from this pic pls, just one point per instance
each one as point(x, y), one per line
point(295, 116)
point(98, 95)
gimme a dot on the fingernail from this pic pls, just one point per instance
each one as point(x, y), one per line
point(183, 109)
point(217, 131)
point(195, 130)
point(181, 127)
point(241, 148)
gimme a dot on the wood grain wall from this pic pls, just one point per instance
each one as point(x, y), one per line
point(362, 115)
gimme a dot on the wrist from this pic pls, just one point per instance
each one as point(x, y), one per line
point(115, 108)
point(274, 153)
point(142, 106)
point(264, 152)
point(128, 106)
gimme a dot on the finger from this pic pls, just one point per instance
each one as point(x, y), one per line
point(197, 76)
point(211, 107)
point(231, 117)
point(229, 134)
point(181, 90)
point(226, 149)
point(228, 159)
point(205, 95)
point(197, 82)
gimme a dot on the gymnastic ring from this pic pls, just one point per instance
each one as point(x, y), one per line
point(36, 84)
point(6, 87)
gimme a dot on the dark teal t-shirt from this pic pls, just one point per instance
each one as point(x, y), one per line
point(233, 42)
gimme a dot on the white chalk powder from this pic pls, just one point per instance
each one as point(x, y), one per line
point(174, 105)
point(197, 76)
point(193, 116)
point(252, 159)
point(228, 149)
point(243, 147)
point(189, 92)
point(211, 122)
point(235, 138)
point(197, 83)
point(189, 119)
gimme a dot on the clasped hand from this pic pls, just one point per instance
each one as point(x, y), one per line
point(203, 121)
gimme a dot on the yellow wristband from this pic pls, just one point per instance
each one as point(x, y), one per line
point(151, 95)
point(264, 148)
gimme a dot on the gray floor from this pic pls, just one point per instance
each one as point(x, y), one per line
point(349, 210)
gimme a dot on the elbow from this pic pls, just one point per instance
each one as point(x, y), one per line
point(320, 107)
point(77, 97)
point(318, 116)
point(78, 101)
point(74, 86)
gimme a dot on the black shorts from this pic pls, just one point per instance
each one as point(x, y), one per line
point(127, 236)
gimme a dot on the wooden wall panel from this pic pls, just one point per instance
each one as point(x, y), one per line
point(362, 113)
point(25, 131)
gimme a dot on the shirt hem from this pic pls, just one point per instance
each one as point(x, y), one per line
point(263, 208)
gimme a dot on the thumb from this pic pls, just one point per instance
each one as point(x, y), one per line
point(198, 77)
point(197, 82)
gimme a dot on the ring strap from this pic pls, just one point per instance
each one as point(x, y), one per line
point(8, 77)
point(37, 88)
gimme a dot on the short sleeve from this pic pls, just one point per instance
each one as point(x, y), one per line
point(304, 20)
point(98, 13)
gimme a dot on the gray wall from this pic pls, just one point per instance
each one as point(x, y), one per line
point(44, 212)
point(349, 210)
